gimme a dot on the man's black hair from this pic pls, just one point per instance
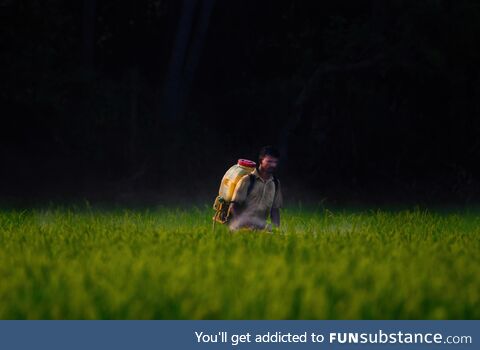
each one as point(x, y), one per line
point(268, 151)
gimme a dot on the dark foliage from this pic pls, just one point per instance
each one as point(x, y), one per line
point(366, 99)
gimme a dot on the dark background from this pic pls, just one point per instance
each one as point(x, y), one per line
point(152, 100)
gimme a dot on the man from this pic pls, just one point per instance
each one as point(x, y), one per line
point(258, 195)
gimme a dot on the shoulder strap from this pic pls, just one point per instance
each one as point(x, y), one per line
point(251, 184)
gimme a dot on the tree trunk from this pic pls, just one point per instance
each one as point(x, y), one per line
point(189, 41)
point(88, 34)
point(195, 52)
point(174, 78)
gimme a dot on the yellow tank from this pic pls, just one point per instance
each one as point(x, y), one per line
point(232, 176)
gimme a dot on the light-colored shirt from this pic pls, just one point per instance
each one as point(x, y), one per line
point(256, 207)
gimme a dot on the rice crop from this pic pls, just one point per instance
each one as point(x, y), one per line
point(168, 263)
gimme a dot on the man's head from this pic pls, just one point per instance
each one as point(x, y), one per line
point(268, 159)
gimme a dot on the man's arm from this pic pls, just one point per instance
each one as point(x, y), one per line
point(277, 204)
point(275, 216)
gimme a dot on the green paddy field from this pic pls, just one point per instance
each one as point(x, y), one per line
point(166, 263)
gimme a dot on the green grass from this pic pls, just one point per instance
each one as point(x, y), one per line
point(167, 264)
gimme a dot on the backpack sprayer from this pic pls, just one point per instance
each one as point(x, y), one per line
point(227, 188)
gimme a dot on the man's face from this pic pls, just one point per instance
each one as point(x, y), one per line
point(269, 164)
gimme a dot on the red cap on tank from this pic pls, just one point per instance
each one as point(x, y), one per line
point(247, 163)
